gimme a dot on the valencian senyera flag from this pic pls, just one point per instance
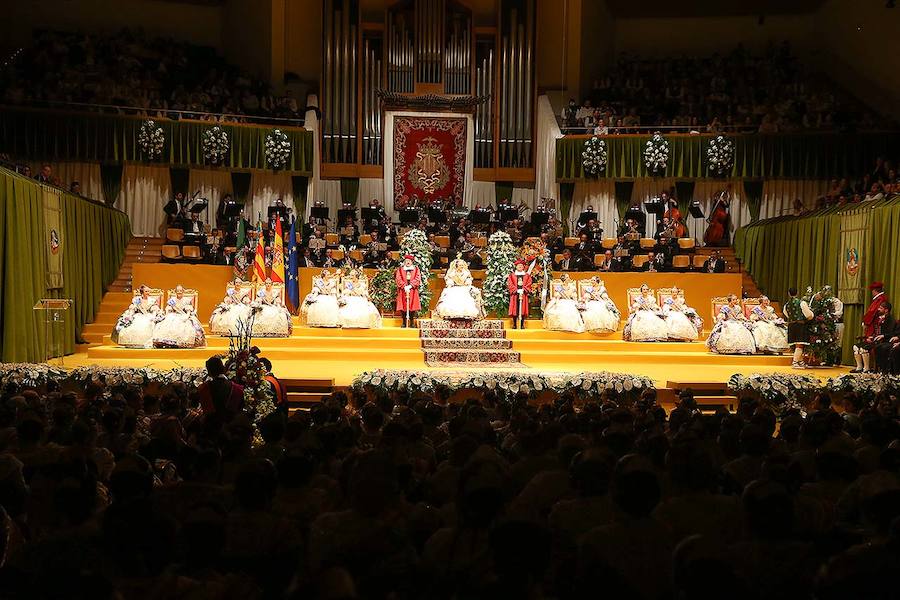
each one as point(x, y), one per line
point(259, 262)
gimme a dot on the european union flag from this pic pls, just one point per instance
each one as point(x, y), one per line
point(293, 281)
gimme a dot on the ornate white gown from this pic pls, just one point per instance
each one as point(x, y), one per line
point(320, 307)
point(645, 323)
point(769, 332)
point(600, 313)
point(682, 322)
point(134, 328)
point(271, 318)
point(561, 313)
point(731, 335)
point(459, 299)
point(180, 328)
point(234, 308)
point(356, 310)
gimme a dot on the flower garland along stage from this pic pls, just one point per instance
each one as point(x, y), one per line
point(151, 139)
point(782, 391)
point(512, 382)
point(215, 145)
point(656, 154)
point(278, 149)
point(594, 156)
point(720, 153)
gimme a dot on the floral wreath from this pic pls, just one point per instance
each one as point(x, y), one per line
point(278, 149)
point(215, 144)
point(656, 153)
point(151, 139)
point(720, 153)
point(594, 156)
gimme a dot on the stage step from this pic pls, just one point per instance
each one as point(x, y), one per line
point(473, 357)
point(425, 324)
point(373, 356)
point(461, 343)
point(305, 393)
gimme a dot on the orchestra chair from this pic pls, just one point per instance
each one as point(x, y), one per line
point(190, 294)
point(571, 242)
point(174, 234)
point(648, 243)
point(442, 241)
point(608, 243)
point(681, 262)
point(365, 239)
point(356, 255)
point(170, 252)
point(557, 258)
point(598, 259)
point(687, 243)
point(154, 293)
point(337, 254)
point(639, 261)
point(395, 255)
point(748, 304)
point(191, 253)
point(331, 240)
point(445, 260)
point(479, 242)
point(717, 303)
point(698, 261)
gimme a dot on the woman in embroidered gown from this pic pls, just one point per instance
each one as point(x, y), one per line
point(460, 299)
point(731, 335)
point(356, 310)
point(562, 312)
point(134, 328)
point(769, 330)
point(599, 314)
point(180, 328)
point(682, 322)
point(645, 322)
point(320, 307)
point(234, 308)
point(271, 318)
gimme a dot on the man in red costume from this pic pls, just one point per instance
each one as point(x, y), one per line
point(519, 285)
point(878, 298)
point(408, 279)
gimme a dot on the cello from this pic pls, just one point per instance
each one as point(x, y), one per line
point(674, 216)
point(717, 231)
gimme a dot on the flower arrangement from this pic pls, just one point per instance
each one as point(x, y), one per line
point(597, 383)
point(416, 243)
point(500, 263)
point(823, 346)
point(29, 374)
point(151, 139)
point(720, 154)
point(215, 144)
point(383, 289)
point(781, 391)
point(866, 385)
point(116, 376)
point(594, 156)
point(278, 149)
point(244, 367)
point(536, 255)
point(656, 153)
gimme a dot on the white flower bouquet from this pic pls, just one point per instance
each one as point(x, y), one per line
point(278, 149)
point(720, 154)
point(151, 139)
point(215, 145)
point(656, 153)
point(594, 156)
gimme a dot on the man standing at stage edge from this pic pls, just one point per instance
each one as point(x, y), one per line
point(519, 285)
point(408, 280)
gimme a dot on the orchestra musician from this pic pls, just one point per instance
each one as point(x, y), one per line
point(720, 225)
point(675, 218)
point(609, 263)
point(584, 254)
point(565, 263)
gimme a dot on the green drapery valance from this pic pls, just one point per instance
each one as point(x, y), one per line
point(801, 156)
point(806, 251)
point(92, 241)
point(43, 135)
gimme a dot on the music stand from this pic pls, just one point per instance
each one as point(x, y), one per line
point(696, 210)
point(540, 218)
point(55, 311)
point(409, 215)
point(369, 214)
point(481, 217)
point(280, 210)
point(318, 212)
point(436, 215)
point(655, 206)
point(636, 214)
point(199, 206)
point(508, 214)
point(586, 216)
point(344, 213)
point(233, 209)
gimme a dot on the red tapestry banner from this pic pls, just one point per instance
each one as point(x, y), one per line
point(429, 159)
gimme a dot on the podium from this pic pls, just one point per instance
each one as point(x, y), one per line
point(53, 313)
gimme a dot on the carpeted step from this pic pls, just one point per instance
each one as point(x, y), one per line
point(458, 343)
point(436, 334)
point(460, 324)
point(484, 357)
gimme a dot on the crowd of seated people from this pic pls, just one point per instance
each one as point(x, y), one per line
point(737, 91)
point(148, 75)
point(44, 175)
point(120, 493)
point(880, 183)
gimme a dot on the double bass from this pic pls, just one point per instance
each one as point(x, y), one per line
point(674, 216)
point(719, 222)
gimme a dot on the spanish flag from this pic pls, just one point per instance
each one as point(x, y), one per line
point(259, 263)
point(277, 273)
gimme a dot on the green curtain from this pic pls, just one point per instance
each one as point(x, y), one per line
point(44, 135)
point(566, 194)
point(805, 251)
point(801, 156)
point(753, 193)
point(300, 187)
point(503, 192)
point(240, 185)
point(180, 179)
point(622, 193)
point(93, 238)
point(684, 193)
point(111, 181)
point(350, 190)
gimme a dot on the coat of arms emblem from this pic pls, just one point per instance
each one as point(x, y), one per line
point(429, 171)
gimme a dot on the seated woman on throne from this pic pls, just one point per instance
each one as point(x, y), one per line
point(320, 307)
point(271, 318)
point(731, 335)
point(180, 328)
point(599, 312)
point(769, 330)
point(356, 310)
point(682, 322)
point(460, 299)
point(645, 323)
point(562, 312)
point(232, 310)
point(134, 328)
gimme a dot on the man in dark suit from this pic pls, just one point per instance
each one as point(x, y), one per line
point(656, 263)
point(472, 258)
point(584, 253)
point(714, 264)
point(609, 264)
point(883, 343)
point(565, 263)
point(220, 397)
